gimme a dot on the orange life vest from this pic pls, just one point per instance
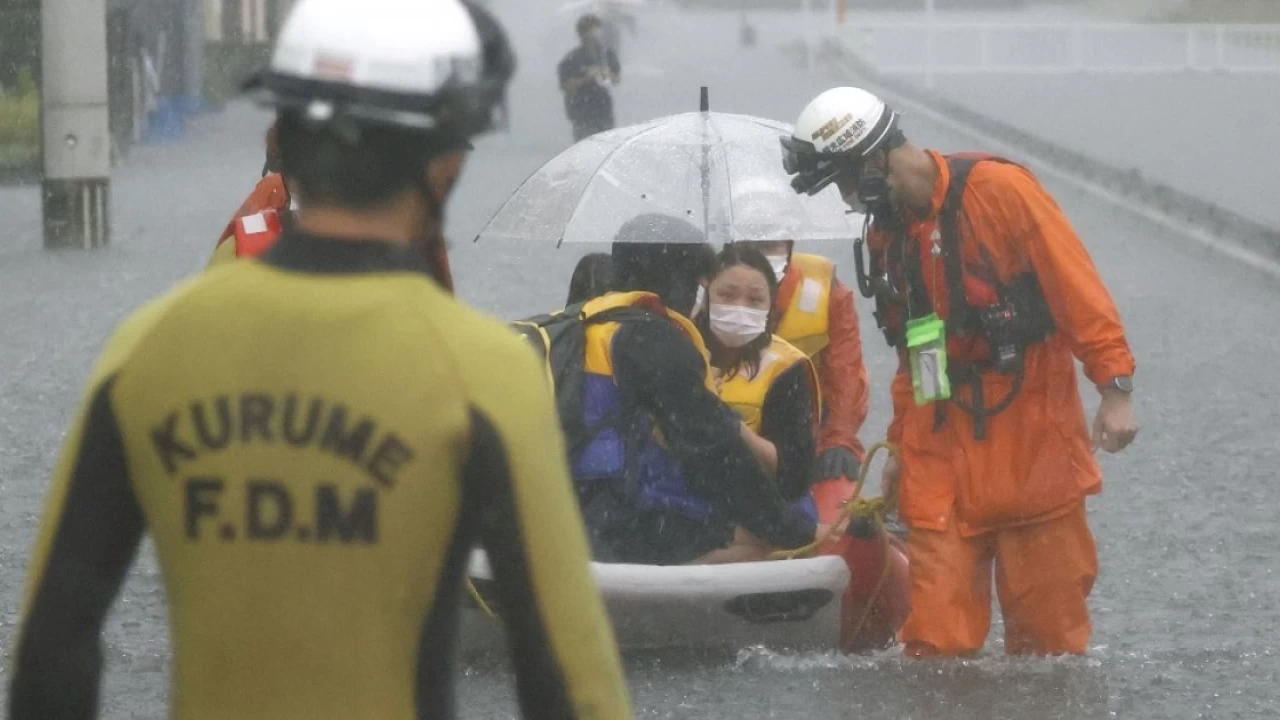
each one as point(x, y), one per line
point(255, 233)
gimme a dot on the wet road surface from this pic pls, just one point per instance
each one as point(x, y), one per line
point(1188, 599)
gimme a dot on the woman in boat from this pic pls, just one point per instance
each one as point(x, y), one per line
point(592, 278)
point(768, 382)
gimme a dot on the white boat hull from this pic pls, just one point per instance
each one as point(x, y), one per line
point(793, 604)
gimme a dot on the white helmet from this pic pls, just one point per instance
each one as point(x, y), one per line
point(429, 65)
point(762, 210)
point(834, 132)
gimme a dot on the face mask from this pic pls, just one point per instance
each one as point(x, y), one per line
point(699, 299)
point(779, 264)
point(735, 325)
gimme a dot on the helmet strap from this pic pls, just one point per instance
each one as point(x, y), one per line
point(430, 244)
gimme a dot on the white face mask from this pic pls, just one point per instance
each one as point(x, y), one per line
point(779, 264)
point(735, 325)
point(699, 299)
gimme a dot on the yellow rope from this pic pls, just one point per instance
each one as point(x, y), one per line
point(855, 507)
point(858, 507)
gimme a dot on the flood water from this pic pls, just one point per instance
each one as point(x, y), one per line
point(1186, 607)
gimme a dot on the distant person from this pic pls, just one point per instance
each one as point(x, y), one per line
point(592, 278)
point(316, 438)
point(988, 296)
point(586, 73)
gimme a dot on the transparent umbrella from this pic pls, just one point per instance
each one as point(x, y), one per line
point(721, 172)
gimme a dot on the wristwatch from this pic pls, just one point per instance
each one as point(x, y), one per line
point(1123, 383)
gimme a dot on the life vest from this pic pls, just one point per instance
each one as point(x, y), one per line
point(257, 232)
point(806, 320)
point(626, 447)
point(746, 395)
point(989, 323)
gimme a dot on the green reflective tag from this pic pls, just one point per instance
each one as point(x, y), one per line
point(927, 353)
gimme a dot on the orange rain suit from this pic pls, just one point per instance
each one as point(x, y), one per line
point(1015, 499)
point(842, 374)
point(271, 194)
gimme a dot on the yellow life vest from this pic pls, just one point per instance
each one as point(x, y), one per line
point(599, 336)
point(806, 319)
point(746, 395)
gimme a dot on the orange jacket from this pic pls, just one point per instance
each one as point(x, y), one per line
point(842, 374)
point(1036, 462)
point(269, 194)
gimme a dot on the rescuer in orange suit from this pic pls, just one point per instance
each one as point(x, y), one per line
point(988, 295)
point(269, 194)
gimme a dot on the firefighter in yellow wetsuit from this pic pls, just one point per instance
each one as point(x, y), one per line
point(316, 438)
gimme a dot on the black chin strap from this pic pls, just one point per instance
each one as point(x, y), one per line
point(433, 207)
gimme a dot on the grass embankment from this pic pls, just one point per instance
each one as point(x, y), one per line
point(19, 130)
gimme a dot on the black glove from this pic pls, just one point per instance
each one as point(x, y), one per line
point(862, 528)
point(837, 462)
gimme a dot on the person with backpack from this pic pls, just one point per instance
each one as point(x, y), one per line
point(316, 438)
point(987, 295)
point(767, 381)
point(663, 474)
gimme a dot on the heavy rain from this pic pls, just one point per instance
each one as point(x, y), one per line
point(1149, 122)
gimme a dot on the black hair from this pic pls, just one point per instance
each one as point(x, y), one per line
point(664, 255)
point(734, 255)
point(588, 22)
point(592, 278)
point(353, 165)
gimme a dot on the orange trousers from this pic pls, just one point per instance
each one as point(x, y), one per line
point(1043, 575)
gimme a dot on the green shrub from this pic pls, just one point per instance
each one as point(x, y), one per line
point(20, 119)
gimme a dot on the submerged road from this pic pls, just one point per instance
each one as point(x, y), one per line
point(1188, 599)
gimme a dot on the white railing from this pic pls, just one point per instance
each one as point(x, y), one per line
point(945, 48)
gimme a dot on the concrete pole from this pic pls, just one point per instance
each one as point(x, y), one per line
point(77, 143)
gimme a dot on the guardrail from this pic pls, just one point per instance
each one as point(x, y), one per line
point(997, 48)
point(1195, 211)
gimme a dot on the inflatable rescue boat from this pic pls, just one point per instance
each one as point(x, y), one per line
point(851, 597)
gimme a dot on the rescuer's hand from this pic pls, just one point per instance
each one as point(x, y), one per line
point(889, 477)
point(1115, 426)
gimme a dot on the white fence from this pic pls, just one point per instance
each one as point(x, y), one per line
point(944, 48)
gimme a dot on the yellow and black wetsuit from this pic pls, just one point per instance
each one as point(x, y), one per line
point(315, 440)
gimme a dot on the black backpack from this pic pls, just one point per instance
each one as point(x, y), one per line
point(560, 339)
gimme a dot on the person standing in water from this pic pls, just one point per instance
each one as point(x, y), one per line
point(586, 73)
point(988, 297)
point(315, 438)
